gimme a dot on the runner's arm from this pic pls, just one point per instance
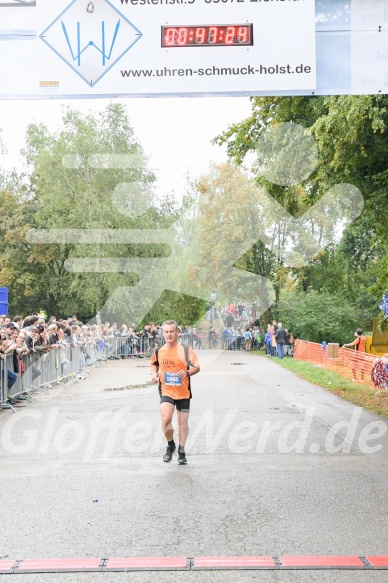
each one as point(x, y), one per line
point(193, 370)
point(154, 369)
point(194, 367)
point(155, 373)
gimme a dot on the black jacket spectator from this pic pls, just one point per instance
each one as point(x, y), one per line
point(280, 336)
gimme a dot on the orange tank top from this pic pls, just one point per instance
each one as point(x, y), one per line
point(361, 344)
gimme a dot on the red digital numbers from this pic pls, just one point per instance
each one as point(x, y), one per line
point(243, 35)
point(200, 35)
point(210, 35)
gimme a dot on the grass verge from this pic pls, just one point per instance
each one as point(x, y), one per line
point(372, 399)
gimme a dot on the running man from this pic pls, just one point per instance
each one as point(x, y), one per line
point(172, 370)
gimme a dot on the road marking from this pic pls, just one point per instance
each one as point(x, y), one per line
point(76, 565)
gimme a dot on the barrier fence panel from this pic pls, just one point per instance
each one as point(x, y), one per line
point(26, 373)
point(347, 362)
point(64, 358)
point(93, 354)
point(139, 346)
point(31, 374)
point(74, 361)
point(43, 364)
point(4, 384)
point(131, 346)
point(17, 390)
point(40, 370)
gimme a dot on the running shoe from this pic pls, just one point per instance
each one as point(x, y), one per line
point(169, 451)
point(182, 458)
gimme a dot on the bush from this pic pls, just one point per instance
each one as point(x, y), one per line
point(318, 316)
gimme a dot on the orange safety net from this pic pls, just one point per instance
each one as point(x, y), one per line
point(347, 362)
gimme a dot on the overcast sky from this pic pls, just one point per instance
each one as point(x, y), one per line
point(174, 132)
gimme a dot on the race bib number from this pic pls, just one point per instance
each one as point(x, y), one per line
point(171, 379)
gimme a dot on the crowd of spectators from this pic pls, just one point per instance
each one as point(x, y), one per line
point(236, 327)
point(35, 335)
point(278, 340)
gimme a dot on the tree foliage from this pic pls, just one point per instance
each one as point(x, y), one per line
point(351, 136)
point(71, 184)
point(74, 182)
point(318, 316)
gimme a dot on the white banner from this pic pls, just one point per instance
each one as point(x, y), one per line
point(145, 47)
point(137, 48)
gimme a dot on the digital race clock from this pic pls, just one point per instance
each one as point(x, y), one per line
point(210, 35)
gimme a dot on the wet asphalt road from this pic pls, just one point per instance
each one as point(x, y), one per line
point(276, 466)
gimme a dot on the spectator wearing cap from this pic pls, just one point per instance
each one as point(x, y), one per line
point(12, 332)
point(10, 326)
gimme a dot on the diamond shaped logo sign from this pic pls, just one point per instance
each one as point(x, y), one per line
point(91, 36)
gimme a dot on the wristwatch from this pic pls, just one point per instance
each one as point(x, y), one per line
point(187, 373)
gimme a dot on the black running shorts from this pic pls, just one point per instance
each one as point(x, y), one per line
point(180, 404)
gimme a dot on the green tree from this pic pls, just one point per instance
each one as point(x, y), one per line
point(230, 223)
point(90, 175)
point(318, 316)
point(351, 135)
point(73, 186)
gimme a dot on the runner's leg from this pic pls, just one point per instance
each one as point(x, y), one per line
point(183, 426)
point(166, 413)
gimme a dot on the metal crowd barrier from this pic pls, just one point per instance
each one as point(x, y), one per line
point(39, 371)
point(75, 362)
point(126, 347)
point(131, 346)
point(195, 342)
point(92, 356)
point(4, 384)
point(119, 347)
